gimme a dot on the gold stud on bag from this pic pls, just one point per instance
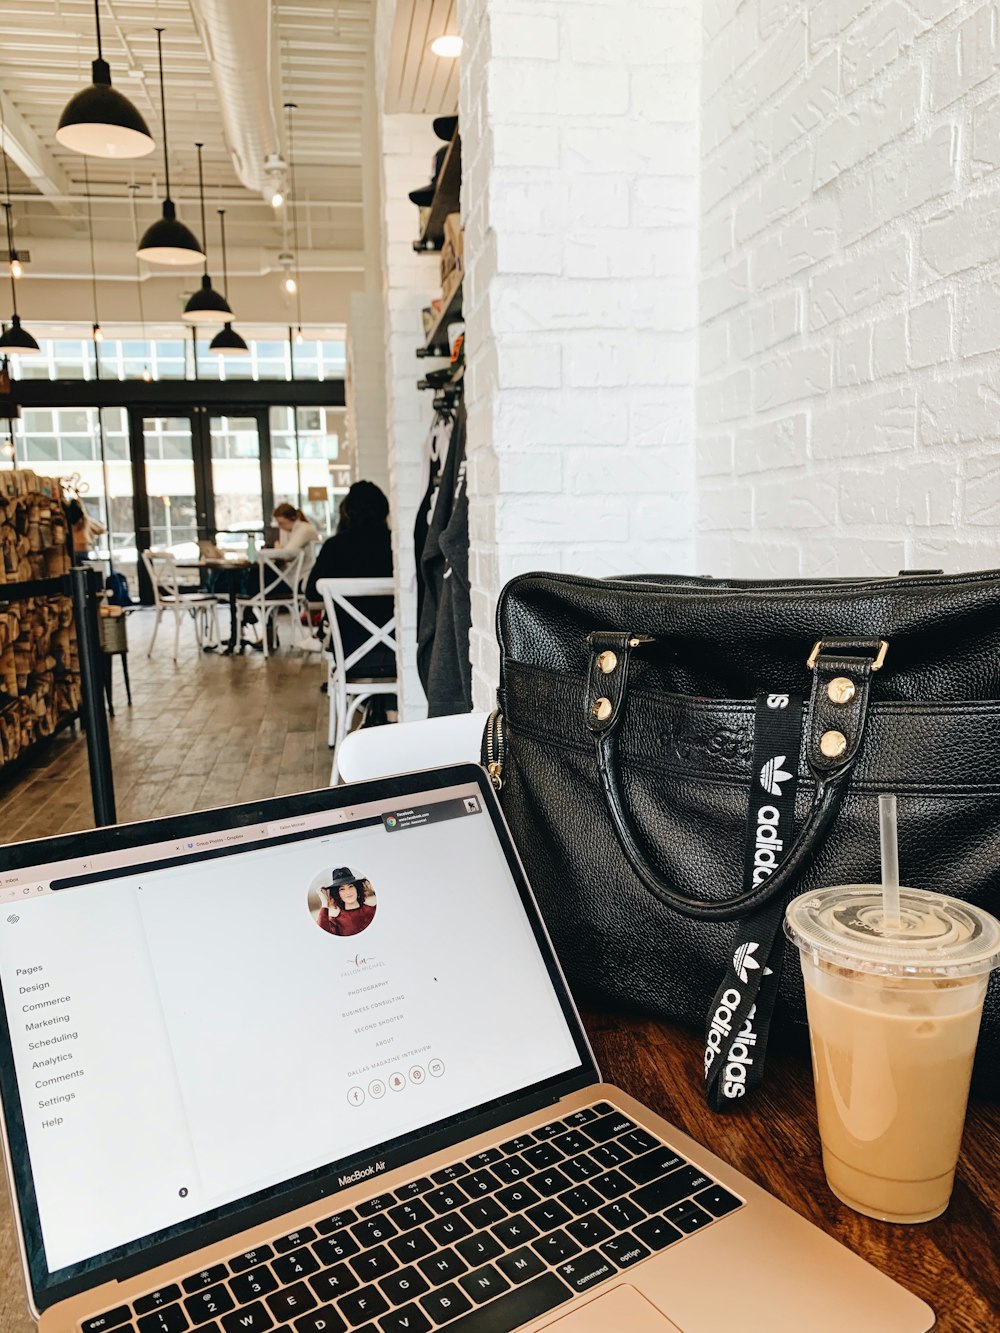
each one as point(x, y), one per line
point(841, 690)
point(832, 744)
point(603, 710)
point(607, 662)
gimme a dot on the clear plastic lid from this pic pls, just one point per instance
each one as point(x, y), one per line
point(937, 936)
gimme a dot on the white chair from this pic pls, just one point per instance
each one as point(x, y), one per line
point(167, 596)
point(382, 752)
point(346, 694)
point(279, 576)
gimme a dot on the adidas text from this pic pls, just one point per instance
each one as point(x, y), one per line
point(721, 1024)
point(768, 844)
point(739, 1059)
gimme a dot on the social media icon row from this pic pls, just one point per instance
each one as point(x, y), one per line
point(396, 1082)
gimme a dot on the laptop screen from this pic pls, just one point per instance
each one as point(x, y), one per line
point(217, 1018)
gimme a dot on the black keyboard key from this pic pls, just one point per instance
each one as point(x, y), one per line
point(450, 1173)
point(171, 1319)
point(333, 1282)
point(550, 1182)
point(717, 1200)
point(250, 1259)
point(639, 1140)
point(445, 1230)
point(581, 1200)
point(258, 1282)
point(624, 1250)
point(442, 1267)
point(292, 1301)
point(326, 1320)
point(573, 1142)
point(603, 1108)
point(155, 1299)
point(511, 1169)
point(331, 1249)
point(621, 1214)
point(688, 1216)
point(519, 1144)
point(208, 1304)
point(484, 1284)
point(549, 1131)
point(586, 1270)
point(590, 1230)
point(609, 1154)
point(515, 1198)
point(484, 1158)
point(656, 1233)
point(414, 1188)
point(612, 1185)
point(581, 1117)
point(371, 1264)
point(248, 1319)
point(415, 1244)
point(360, 1306)
point(479, 1248)
point(661, 1194)
point(294, 1239)
point(337, 1222)
point(404, 1285)
point(377, 1205)
point(515, 1231)
point(375, 1230)
point(541, 1155)
point(445, 1303)
point(548, 1214)
point(411, 1214)
point(104, 1323)
point(411, 1319)
point(653, 1165)
point(484, 1212)
point(446, 1198)
point(480, 1183)
point(580, 1168)
point(555, 1247)
point(206, 1277)
point(610, 1127)
point(521, 1265)
point(299, 1263)
point(516, 1307)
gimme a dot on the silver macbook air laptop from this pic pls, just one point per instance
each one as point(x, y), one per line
point(310, 1065)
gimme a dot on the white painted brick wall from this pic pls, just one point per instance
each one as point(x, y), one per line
point(580, 200)
point(850, 286)
point(366, 381)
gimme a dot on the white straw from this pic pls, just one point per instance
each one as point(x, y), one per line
point(890, 861)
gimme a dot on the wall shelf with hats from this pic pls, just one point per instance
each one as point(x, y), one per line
point(445, 197)
point(437, 343)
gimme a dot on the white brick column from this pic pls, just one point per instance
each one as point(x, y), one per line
point(366, 381)
point(580, 152)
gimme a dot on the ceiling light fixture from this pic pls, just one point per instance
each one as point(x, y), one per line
point(96, 331)
point(227, 341)
point(99, 121)
point(205, 306)
point(14, 338)
point(168, 241)
point(276, 170)
point(277, 199)
point(16, 268)
point(448, 46)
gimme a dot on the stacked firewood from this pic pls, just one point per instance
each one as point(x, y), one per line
point(39, 666)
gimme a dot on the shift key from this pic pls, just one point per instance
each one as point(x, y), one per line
point(671, 1189)
point(517, 1307)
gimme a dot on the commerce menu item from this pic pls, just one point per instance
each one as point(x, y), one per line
point(894, 1019)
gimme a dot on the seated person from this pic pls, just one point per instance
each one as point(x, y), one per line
point(85, 530)
point(294, 529)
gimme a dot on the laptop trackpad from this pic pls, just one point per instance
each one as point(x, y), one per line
point(623, 1308)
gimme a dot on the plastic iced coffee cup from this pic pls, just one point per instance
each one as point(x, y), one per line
point(893, 1022)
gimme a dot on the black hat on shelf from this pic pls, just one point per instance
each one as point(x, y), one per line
point(445, 127)
point(423, 197)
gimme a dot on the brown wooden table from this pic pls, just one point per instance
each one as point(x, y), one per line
point(952, 1262)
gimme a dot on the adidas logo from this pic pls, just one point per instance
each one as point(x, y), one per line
point(744, 961)
point(772, 775)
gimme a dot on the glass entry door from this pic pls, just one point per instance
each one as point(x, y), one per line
point(242, 496)
point(175, 500)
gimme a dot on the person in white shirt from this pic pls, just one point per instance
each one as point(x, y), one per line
point(294, 529)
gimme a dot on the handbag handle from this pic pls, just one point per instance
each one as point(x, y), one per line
point(838, 707)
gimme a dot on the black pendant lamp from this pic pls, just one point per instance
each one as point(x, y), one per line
point(15, 338)
point(99, 121)
point(227, 341)
point(168, 241)
point(205, 306)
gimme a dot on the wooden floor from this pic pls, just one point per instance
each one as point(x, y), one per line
point(203, 731)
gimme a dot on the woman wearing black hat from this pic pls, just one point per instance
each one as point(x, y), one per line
point(346, 910)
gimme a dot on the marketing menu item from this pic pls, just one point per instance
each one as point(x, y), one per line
point(197, 1029)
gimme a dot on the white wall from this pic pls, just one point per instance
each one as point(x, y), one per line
point(366, 389)
point(850, 292)
point(579, 196)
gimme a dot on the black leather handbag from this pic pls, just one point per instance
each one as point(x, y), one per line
point(624, 751)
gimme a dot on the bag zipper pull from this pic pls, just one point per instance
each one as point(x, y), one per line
point(496, 746)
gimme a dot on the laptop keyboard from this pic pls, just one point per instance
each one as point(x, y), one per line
point(482, 1246)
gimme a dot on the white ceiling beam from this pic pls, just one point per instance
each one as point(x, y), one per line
point(28, 153)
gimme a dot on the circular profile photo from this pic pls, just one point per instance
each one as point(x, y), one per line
point(341, 902)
